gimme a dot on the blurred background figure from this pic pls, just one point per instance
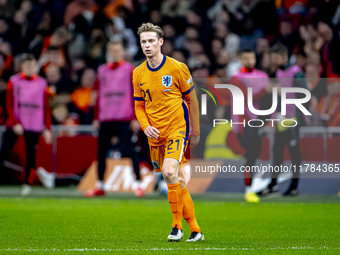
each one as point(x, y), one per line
point(84, 97)
point(114, 113)
point(28, 114)
point(287, 77)
point(249, 77)
point(4, 77)
point(328, 106)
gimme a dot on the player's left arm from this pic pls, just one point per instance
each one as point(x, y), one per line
point(47, 134)
point(187, 88)
point(142, 117)
point(300, 82)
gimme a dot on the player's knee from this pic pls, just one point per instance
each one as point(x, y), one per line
point(169, 176)
point(169, 173)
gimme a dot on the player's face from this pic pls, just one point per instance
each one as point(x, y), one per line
point(29, 67)
point(249, 59)
point(115, 52)
point(150, 43)
point(277, 60)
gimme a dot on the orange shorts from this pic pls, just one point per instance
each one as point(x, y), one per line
point(174, 148)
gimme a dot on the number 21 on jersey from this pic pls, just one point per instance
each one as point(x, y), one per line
point(145, 94)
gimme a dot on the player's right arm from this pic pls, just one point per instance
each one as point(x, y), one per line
point(12, 120)
point(141, 115)
point(237, 118)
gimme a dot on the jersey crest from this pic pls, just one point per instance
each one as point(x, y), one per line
point(167, 81)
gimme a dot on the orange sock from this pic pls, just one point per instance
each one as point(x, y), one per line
point(175, 198)
point(189, 212)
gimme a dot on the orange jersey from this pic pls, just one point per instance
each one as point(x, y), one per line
point(163, 97)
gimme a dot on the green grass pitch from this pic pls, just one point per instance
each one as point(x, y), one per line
point(141, 226)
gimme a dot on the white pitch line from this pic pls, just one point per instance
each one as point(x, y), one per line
point(172, 249)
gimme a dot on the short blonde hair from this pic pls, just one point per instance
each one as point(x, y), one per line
point(149, 27)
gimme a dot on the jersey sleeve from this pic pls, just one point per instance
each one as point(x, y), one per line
point(237, 118)
point(139, 102)
point(137, 92)
point(96, 107)
point(12, 120)
point(187, 87)
point(47, 110)
point(186, 83)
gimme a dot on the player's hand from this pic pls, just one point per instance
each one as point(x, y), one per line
point(152, 132)
point(47, 134)
point(18, 129)
point(135, 126)
point(279, 90)
point(194, 140)
point(95, 124)
point(270, 86)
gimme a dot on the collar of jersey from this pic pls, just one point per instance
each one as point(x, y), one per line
point(246, 69)
point(33, 77)
point(112, 65)
point(158, 67)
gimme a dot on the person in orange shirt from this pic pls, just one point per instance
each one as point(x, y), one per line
point(79, 7)
point(84, 97)
point(328, 106)
point(111, 10)
point(163, 93)
point(53, 49)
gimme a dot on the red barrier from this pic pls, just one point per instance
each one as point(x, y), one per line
point(311, 149)
point(76, 154)
point(333, 149)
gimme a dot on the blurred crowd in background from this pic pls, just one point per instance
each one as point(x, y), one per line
point(69, 38)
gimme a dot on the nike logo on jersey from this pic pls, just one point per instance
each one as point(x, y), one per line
point(171, 152)
point(141, 84)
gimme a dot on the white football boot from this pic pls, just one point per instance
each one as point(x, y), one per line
point(195, 237)
point(175, 235)
point(46, 178)
point(26, 190)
